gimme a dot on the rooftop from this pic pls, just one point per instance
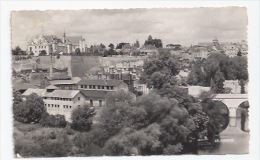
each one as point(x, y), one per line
point(39, 92)
point(94, 93)
point(111, 82)
point(22, 86)
point(61, 93)
point(73, 80)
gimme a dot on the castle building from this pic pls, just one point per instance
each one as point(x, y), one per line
point(52, 44)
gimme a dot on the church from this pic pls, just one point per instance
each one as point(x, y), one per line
point(44, 45)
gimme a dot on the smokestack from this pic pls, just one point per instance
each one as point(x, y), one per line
point(51, 71)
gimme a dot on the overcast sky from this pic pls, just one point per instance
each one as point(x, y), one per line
point(182, 26)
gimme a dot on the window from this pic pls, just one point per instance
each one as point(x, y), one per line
point(91, 102)
point(70, 107)
point(81, 86)
point(107, 87)
point(103, 87)
point(52, 105)
point(58, 106)
point(100, 103)
point(48, 105)
point(85, 86)
point(63, 106)
point(90, 86)
point(112, 87)
point(78, 105)
point(94, 87)
point(98, 86)
point(45, 105)
point(79, 98)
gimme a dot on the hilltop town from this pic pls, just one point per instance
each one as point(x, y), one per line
point(81, 87)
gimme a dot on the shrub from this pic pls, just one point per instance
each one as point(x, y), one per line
point(57, 120)
point(70, 131)
point(52, 135)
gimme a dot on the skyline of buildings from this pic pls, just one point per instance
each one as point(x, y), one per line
point(173, 25)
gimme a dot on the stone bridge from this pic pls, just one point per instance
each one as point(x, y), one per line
point(233, 103)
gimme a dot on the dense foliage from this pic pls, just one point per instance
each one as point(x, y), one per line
point(153, 42)
point(30, 110)
point(81, 118)
point(159, 70)
point(216, 69)
point(53, 120)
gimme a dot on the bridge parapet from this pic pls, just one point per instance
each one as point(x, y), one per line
point(232, 101)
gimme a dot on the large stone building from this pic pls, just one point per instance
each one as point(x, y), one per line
point(59, 101)
point(53, 44)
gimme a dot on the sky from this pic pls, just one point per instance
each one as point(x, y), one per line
point(183, 26)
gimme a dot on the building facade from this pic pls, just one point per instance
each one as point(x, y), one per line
point(52, 44)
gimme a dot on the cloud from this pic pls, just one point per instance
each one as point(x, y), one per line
point(185, 26)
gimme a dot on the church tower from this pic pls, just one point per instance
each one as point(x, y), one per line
point(64, 36)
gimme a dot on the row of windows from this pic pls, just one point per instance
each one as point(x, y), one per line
point(97, 87)
point(40, 47)
point(61, 99)
point(58, 106)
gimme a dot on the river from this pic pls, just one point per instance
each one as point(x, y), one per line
point(232, 141)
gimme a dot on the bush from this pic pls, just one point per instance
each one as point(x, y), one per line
point(52, 135)
point(57, 120)
point(70, 131)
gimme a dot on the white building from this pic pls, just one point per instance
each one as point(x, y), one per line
point(59, 101)
point(51, 44)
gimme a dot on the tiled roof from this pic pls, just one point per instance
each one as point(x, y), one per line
point(62, 93)
point(73, 80)
point(74, 40)
point(110, 82)
point(22, 86)
point(39, 92)
point(51, 87)
point(94, 93)
point(59, 76)
point(48, 38)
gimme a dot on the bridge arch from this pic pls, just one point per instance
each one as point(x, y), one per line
point(234, 102)
point(219, 112)
point(242, 116)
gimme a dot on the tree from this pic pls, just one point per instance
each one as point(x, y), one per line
point(102, 46)
point(43, 53)
point(30, 110)
point(239, 53)
point(82, 118)
point(155, 42)
point(77, 51)
point(212, 64)
point(137, 44)
point(218, 82)
point(238, 68)
point(16, 50)
point(197, 75)
point(242, 84)
point(121, 45)
point(111, 46)
point(160, 70)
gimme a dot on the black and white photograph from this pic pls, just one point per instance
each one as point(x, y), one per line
point(130, 82)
